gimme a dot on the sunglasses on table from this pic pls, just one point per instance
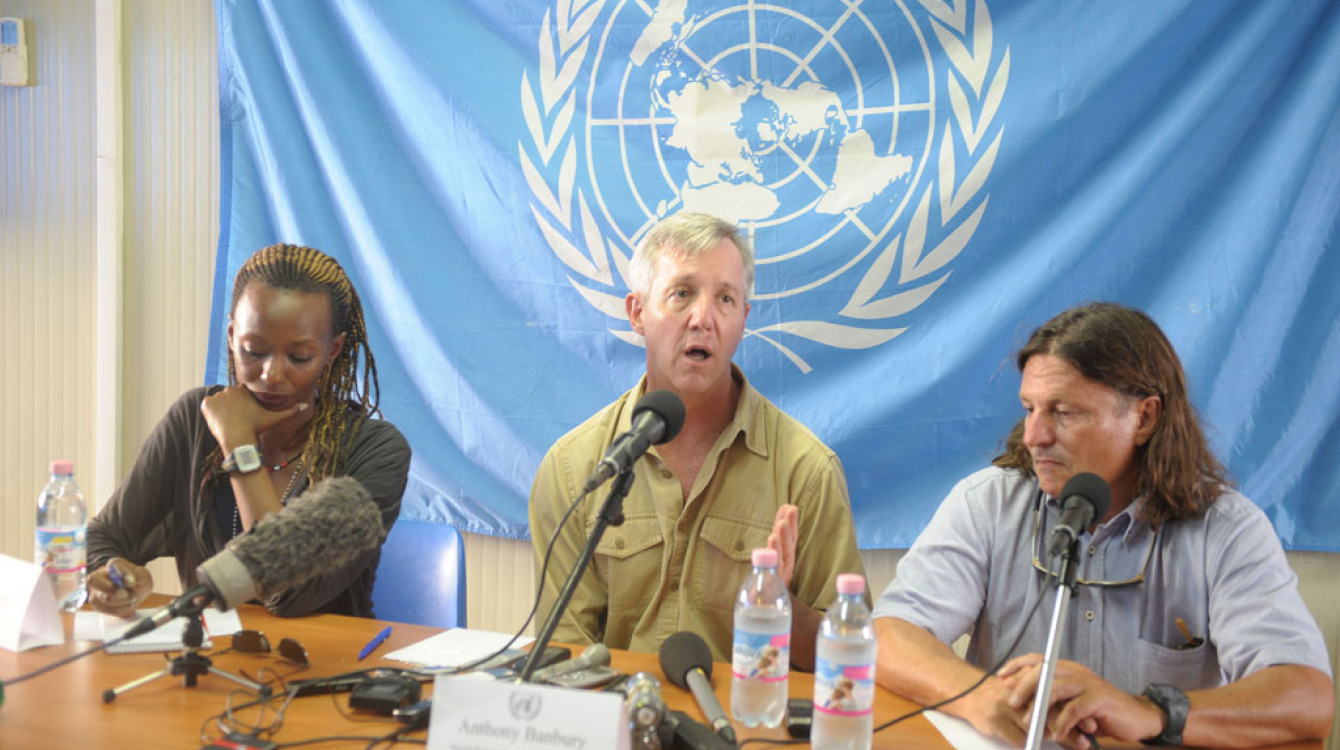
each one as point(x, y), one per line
point(255, 642)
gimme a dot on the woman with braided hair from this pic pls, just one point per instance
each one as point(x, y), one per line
point(298, 407)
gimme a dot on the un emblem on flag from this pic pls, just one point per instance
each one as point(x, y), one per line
point(852, 142)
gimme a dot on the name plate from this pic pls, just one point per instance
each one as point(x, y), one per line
point(469, 714)
point(29, 616)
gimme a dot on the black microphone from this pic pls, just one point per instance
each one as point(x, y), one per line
point(657, 418)
point(329, 525)
point(691, 735)
point(1084, 498)
point(595, 655)
point(687, 662)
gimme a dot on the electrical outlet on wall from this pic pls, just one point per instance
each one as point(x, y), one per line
point(13, 52)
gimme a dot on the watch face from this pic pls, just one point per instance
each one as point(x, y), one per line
point(248, 459)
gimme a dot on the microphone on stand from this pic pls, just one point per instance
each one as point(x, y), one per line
point(687, 662)
point(1084, 498)
point(329, 525)
point(657, 418)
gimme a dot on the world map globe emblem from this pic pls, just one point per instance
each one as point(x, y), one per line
point(806, 131)
point(851, 142)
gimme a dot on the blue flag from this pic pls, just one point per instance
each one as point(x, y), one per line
point(924, 183)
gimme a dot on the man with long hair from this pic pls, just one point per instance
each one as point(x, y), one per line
point(1186, 626)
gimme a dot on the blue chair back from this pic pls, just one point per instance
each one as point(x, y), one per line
point(421, 577)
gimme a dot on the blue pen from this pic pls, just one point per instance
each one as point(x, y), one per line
point(374, 643)
point(115, 575)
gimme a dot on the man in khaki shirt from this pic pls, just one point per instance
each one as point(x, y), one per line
point(740, 474)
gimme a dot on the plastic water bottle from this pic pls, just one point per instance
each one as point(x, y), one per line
point(844, 673)
point(58, 544)
point(761, 655)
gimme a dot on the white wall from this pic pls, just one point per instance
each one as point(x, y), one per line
point(47, 258)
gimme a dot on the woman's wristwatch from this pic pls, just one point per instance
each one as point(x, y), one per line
point(243, 460)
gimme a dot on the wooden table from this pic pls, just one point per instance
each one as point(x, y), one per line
point(64, 708)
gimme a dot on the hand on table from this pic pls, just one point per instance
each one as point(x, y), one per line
point(989, 711)
point(1082, 704)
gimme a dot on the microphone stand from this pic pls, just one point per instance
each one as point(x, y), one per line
point(190, 665)
point(1065, 590)
point(611, 514)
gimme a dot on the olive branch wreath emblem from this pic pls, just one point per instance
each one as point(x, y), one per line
point(576, 239)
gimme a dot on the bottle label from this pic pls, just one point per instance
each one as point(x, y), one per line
point(760, 656)
point(844, 689)
point(59, 550)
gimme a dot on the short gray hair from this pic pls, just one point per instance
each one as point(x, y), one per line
point(686, 235)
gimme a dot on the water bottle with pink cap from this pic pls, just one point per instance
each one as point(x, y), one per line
point(761, 653)
point(58, 543)
point(844, 671)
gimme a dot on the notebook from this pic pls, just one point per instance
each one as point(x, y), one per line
point(167, 637)
point(454, 647)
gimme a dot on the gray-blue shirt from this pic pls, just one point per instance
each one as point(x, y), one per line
point(1224, 574)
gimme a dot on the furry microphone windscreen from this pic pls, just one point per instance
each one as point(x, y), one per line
point(329, 525)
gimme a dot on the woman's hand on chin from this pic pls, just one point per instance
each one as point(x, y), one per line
point(236, 418)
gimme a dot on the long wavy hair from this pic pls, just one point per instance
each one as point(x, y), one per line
point(1125, 350)
point(346, 394)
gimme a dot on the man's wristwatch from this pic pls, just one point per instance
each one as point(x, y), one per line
point(244, 460)
point(1175, 706)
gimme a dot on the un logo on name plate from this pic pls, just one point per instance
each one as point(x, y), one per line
point(851, 141)
point(525, 705)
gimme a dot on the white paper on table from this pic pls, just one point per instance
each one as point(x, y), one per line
point(222, 623)
point(455, 647)
point(94, 626)
point(29, 615)
point(962, 736)
point(88, 625)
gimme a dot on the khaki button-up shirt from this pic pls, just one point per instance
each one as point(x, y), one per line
point(675, 564)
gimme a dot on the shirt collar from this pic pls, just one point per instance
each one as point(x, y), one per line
point(1127, 523)
point(749, 415)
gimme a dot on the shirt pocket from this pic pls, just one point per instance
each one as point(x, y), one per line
point(725, 550)
point(628, 559)
point(1187, 668)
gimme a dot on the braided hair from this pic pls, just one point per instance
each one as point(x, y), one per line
point(343, 399)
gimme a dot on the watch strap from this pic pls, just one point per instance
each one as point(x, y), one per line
point(1175, 706)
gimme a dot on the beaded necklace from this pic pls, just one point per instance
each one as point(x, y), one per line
point(281, 467)
point(283, 499)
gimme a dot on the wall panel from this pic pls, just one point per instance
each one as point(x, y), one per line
point(172, 227)
point(47, 268)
